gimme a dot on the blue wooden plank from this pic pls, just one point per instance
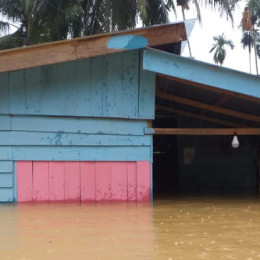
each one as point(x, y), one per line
point(82, 153)
point(50, 93)
point(98, 83)
point(15, 183)
point(16, 138)
point(147, 94)
point(79, 125)
point(200, 72)
point(33, 82)
point(82, 86)
point(6, 166)
point(4, 94)
point(6, 195)
point(17, 92)
point(5, 121)
point(6, 180)
point(5, 153)
point(128, 102)
point(104, 86)
point(67, 99)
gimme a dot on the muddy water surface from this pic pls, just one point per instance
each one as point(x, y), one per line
point(200, 228)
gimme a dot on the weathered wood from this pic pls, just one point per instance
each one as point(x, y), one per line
point(40, 181)
point(91, 46)
point(206, 131)
point(6, 166)
point(197, 116)
point(24, 181)
point(106, 86)
point(76, 125)
point(6, 180)
point(19, 138)
point(216, 109)
point(230, 94)
point(81, 153)
point(6, 195)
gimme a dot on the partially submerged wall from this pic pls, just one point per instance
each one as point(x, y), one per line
point(90, 110)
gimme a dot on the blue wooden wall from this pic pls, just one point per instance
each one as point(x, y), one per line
point(88, 110)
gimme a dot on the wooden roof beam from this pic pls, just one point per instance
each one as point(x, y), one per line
point(204, 106)
point(200, 117)
point(205, 131)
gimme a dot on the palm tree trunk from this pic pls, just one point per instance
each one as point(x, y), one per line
point(249, 54)
point(254, 40)
point(188, 41)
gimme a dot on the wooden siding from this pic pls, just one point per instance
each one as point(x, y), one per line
point(107, 86)
point(51, 138)
point(83, 181)
point(86, 110)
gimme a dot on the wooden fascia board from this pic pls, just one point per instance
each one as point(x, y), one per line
point(204, 106)
point(200, 72)
point(91, 46)
point(204, 131)
point(197, 116)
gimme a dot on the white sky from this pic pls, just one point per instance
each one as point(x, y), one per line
point(213, 24)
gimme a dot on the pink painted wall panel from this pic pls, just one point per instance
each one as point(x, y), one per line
point(84, 181)
point(103, 181)
point(72, 181)
point(88, 181)
point(143, 181)
point(56, 181)
point(119, 181)
point(131, 181)
point(40, 181)
point(24, 181)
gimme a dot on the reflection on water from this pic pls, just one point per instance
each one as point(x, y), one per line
point(198, 228)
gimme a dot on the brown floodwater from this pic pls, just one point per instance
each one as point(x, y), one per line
point(177, 228)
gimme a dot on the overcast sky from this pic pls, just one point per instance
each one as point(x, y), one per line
point(213, 25)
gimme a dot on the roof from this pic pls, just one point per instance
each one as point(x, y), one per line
point(189, 25)
point(90, 46)
point(203, 91)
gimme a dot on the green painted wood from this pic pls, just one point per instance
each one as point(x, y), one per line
point(5, 122)
point(4, 94)
point(201, 72)
point(6, 180)
point(18, 138)
point(78, 125)
point(6, 195)
point(6, 166)
point(81, 153)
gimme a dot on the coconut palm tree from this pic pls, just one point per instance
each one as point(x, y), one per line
point(251, 19)
point(247, 42)
point(220, 53)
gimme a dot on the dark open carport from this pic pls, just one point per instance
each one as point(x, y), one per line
point(199, 109)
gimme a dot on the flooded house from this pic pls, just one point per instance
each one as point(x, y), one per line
point(119, 116)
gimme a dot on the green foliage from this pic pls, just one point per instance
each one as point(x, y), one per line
point(220, 52)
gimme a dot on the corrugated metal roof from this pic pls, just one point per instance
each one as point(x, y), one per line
point(189, 25)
